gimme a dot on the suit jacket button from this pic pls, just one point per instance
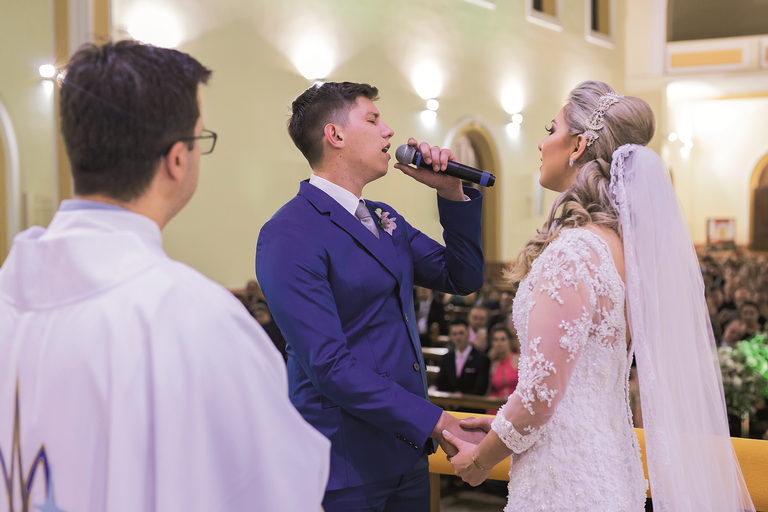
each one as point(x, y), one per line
point(415, 447)
point(415, 367)
point(406, 318)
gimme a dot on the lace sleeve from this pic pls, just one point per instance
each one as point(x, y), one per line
point(562, 305)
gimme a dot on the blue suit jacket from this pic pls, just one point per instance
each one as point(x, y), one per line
point(344, 302)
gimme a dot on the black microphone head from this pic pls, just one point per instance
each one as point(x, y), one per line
point(405, 154)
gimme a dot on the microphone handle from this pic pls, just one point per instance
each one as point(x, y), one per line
point(457, 170)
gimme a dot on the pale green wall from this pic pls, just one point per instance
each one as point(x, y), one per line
point(26, 42)
point(256, 168)
point(729, 139)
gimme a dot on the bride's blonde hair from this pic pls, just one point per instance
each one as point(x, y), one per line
point(588, 200)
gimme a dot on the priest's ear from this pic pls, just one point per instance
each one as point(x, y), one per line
point(174, 163)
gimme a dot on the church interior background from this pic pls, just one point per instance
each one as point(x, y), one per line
point(480, 76)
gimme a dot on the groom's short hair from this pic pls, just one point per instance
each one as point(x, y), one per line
point(323, 103)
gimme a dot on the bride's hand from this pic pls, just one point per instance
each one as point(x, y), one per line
point(462, 462)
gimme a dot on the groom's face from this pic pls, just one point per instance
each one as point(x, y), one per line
point(366, 139)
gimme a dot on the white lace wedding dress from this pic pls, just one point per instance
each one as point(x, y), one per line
point(568, 422)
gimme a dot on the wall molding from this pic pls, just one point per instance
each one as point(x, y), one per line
point(717, 55)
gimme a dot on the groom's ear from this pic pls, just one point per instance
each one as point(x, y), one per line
point(333, 136)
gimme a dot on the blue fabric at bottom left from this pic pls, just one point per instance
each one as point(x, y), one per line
point(405, 493)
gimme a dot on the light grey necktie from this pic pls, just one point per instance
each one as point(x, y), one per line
point(364, 215)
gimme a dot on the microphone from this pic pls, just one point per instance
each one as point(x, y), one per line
point(409, 155)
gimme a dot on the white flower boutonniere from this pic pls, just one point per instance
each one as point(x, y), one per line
point(385, 222)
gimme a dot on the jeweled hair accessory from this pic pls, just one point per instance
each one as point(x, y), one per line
point(595, 122)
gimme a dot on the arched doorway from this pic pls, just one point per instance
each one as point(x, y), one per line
point(758, 215)
point(473, 145)
point(9, 183)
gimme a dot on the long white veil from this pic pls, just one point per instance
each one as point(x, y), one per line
point(691, 462)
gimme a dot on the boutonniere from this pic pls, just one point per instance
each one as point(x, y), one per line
point(385, 222)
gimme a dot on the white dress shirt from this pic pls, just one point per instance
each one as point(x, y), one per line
point(344, 197)
point(461, 359)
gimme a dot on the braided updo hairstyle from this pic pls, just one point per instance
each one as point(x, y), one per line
point(588, 200)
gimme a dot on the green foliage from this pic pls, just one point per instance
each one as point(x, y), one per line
point(745, 374)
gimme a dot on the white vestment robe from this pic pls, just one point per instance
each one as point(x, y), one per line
point(147, 386)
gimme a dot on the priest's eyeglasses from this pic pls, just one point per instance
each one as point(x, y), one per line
point(207, 142)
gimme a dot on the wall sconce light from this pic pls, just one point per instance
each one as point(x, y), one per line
point(313, 58)
point(684, 139)
point(433, 104)
point(47, 71)
point(513, 128)
point(512, 100)
point(428, 80)
point(155, 24)
point(428, 117)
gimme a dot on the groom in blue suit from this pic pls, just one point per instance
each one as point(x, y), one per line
point(338, 274)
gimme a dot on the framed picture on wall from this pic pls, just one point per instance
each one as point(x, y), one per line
point(721, 232)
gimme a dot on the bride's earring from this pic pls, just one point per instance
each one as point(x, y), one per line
point(570, 162)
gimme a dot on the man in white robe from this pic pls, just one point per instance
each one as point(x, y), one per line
point(129, 381)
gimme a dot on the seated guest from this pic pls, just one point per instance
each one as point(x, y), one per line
point(136, 382)
point(264, 317)
point(715, 298)
point(490, 297)
point(463, 369)
point(761, 299)
point(253, 293)
point(732, 333)
point(429, 311)
point(478, 328)
point(460, 300)
point(740, 296)
point(749, 314)
point(505, 309)
point(504, 355)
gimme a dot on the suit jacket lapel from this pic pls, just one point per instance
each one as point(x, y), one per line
point(382, 248)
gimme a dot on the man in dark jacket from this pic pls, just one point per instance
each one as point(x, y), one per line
point(463, 369)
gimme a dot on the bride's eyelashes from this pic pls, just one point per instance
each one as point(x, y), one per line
point(551, 130)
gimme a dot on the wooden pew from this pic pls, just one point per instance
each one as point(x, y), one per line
point(453, 311)
point(441, 340)
point(433, 354)
point(451, 400)
point(751, 453)
point(432, 372)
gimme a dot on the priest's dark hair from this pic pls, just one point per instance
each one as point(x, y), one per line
point(329, 102)
point(123, 106)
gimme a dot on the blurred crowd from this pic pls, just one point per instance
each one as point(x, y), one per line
point(480, 336)
point(736, 289)
point(253, 299)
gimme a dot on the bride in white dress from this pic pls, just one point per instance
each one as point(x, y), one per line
point(568, 425)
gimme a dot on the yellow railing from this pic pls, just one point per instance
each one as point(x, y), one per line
point(752, 455)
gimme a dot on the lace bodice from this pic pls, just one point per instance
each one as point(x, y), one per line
point(568, 422)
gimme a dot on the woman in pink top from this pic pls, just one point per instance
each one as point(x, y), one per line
point(504, 354)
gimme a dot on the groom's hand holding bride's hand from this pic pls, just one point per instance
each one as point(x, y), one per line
point(463, 463)
point(475, 424)
point(450, 423)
